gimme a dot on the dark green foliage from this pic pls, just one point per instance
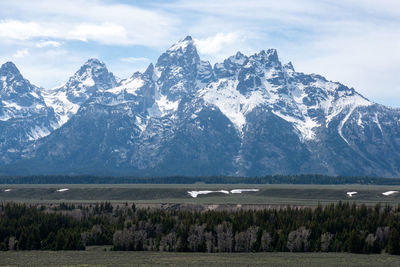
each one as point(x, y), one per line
point(394, 242)
point(341, 227)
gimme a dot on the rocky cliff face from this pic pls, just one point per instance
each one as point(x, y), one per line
point(249, 115)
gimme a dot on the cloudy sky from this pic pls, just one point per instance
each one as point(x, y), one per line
point(356, 42)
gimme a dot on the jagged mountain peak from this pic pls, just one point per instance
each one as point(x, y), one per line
point(94, 61)
point(24, 115)
point(187, 38)
point(149, 71)
point(182, 45)
point(289, 67)
point(238, 58)
point(184, 52)
point(14, 85)
point(267, 59)
point(92, 69)
point(92, 76)
point(177, 69)
point(9, 68)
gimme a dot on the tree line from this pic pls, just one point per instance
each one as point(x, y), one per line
point(341, 227)
point(268, 179)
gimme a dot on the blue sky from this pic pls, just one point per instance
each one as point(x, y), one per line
point(355, 42)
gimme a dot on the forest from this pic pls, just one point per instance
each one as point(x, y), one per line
point(342, 227)
point(268, 179)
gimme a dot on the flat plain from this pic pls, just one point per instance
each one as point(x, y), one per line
point(152, 194)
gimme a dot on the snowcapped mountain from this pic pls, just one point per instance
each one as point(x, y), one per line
point(24, 115)
point(249, 115)
point(67, 98)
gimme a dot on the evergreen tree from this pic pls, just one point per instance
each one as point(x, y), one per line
point(394, 242)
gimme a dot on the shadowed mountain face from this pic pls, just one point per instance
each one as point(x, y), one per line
point(249, 115)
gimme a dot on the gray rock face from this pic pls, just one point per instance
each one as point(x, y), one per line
point(249, 115)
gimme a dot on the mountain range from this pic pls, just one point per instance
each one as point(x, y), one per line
point(247, 116)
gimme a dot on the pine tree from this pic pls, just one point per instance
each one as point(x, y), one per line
point(394, 242)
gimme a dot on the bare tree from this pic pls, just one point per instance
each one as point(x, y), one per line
point(224, 237)
point(326, 239)
point(140, 238)
point(210, 240)
point(168, 242)
point(122, 239)
point(196, 237)
point(241, 242)
point(12, 242)
point(298, 240)
point(382, 235)
point(370, 240)
point(244, 241)
point(266, 240)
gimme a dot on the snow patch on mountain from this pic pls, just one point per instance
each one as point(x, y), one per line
point(130, 86)
point(305, 125)
point(66, 99)
point(224, 95)
point(376, 120)
point(163, 106)
point(38, 132)
point(62, 107)
point(346, 104)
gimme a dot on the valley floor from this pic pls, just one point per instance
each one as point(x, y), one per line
point(171, 195)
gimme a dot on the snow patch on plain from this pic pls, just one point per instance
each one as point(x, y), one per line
point(350, 194)
point(194, 194)
point(388, 193)
point(62, 189)
point(239, 191)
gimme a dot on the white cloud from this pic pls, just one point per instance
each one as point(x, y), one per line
point(215, 44)
point(21, 53)
point(134, 59)
point(106, 33)
point(20, 30)
point(42, 44)
point(99, 21)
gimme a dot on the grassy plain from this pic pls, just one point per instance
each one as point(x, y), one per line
point(304, 195)
point(120, 258)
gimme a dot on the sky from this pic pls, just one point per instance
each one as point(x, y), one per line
point(355, 42)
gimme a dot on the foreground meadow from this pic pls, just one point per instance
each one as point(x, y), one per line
point(122, 258)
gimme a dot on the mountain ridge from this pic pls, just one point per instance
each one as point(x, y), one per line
point(249, 115)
